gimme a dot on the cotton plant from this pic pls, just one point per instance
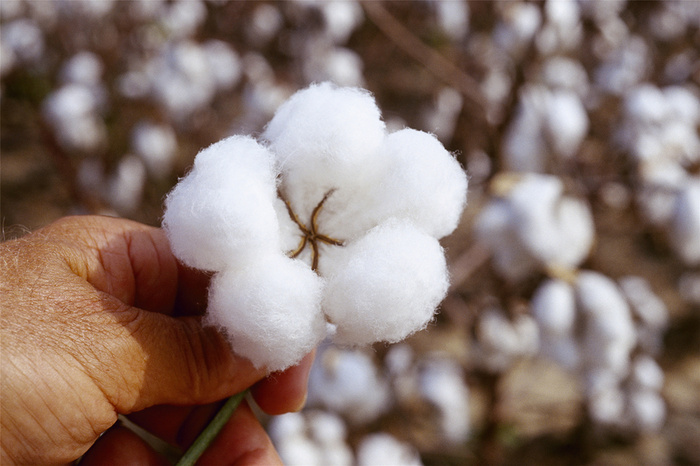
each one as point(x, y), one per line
point(531, 226)
point(606, 334)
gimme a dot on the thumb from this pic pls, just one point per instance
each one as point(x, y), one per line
point(160, 359)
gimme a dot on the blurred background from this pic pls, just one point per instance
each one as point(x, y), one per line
point(571, 333)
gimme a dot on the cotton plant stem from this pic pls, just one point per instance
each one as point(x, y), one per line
point(212, 430)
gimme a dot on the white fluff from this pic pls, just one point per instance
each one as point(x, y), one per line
point(269, 309)
point(222, 211)
point(386, 286)
point(422, 182)
point(324, 138)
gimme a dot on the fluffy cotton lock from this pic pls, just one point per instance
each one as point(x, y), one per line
point(273, 300)
point(380, 264)
point(327, 219)
point(221, 212)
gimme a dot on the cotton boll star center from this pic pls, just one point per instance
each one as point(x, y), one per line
point(310, 235)
point(269, 217)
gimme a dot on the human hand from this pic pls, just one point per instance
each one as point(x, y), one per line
point(98, 319)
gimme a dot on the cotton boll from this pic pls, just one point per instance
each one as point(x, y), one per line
point(383, 448)
point(557, 231)
point(524, 148)
point(647, 409)
point(650, 311)
point(423, 183)
point(156, 145)
point(494, 228)
point(442, 383)
point(567, 123)
point(442, 119)
point(269, 309)
point(682, 104)
point(348, 382)
point(625, 66)
point(520, 23)
point(24, 38)
point(685, 226)
point(341, 19)
point(610, 334)
point(324, 138)
point(607, 407)
point(577, 232)
point(83, 68)
point(554, 307)
point(223, 63)
point(646, 374)
point(453, 18)
point(387, 285)
point(72, 112)
point(265, 22)
point(288, 433)
point(560, 73)
point(181, 78)
point(329, 432)
point(502, 340)
point(183, 17)
point(222, 212)
point(531, 226)
point(339, 65)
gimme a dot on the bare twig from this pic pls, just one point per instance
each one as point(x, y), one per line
point(433, 61)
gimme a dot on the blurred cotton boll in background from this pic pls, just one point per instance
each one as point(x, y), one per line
point(532, 226)
point(348, 382)
point(156, 145)
point(73, 113)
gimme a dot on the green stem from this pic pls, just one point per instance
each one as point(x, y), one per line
point(212, 430)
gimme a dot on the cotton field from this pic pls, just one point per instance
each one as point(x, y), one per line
point(570, 330)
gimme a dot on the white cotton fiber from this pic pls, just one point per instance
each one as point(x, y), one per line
point(324, 138)
point(222, 211)
point(387, 286)
point(423, 183)
point(269, 309)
